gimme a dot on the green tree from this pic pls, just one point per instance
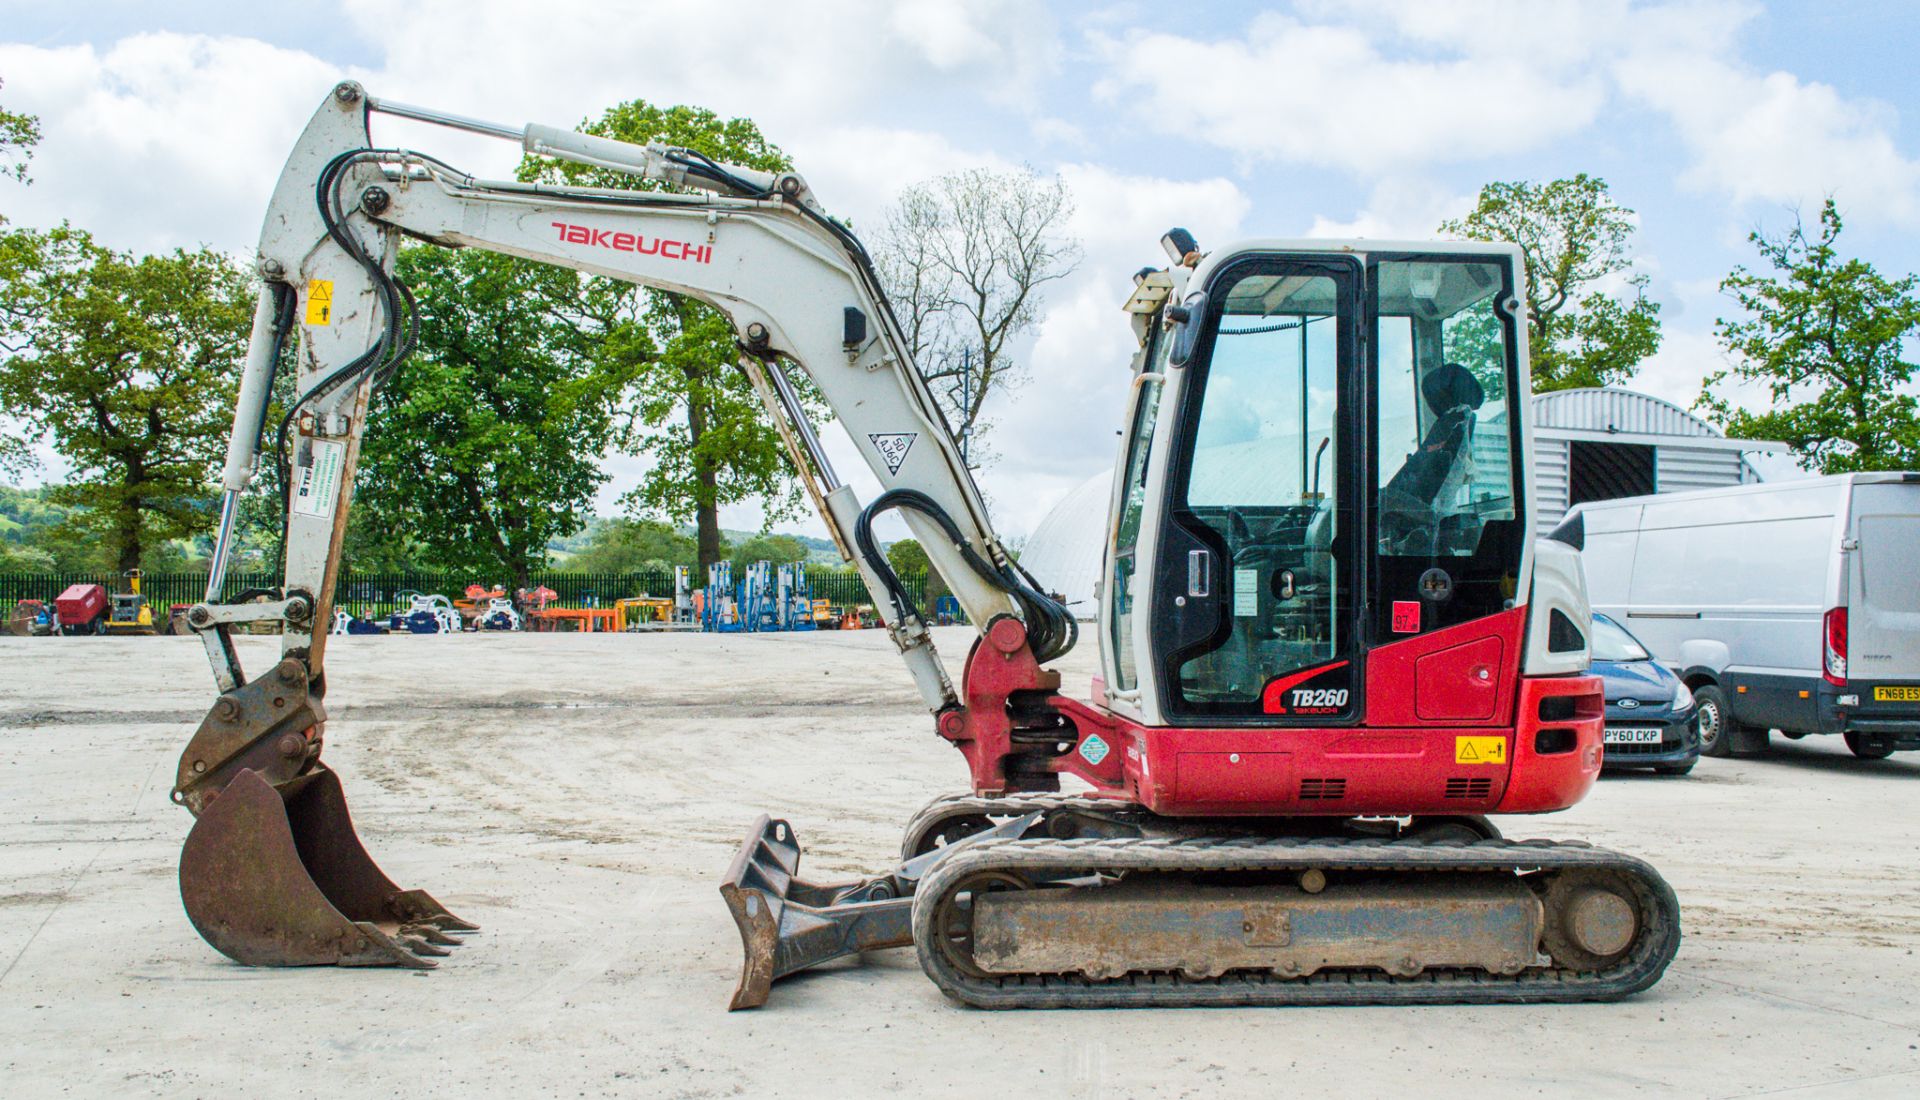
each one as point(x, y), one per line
point(1826, 336)
point(487, 443)
point(778, 549)
point(19, 558)
point(1574, 239)
point(708, 437)
point(632, 546)
point(19, 133)
point(126, 366)
point(908, 557)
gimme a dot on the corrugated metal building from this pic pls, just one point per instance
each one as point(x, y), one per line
point(1604, 443)
point(1589, 444)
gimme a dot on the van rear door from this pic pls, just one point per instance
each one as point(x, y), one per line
point(1883, 590)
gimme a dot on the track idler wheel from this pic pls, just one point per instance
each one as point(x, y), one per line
point(1593, 917)
point(277, 877)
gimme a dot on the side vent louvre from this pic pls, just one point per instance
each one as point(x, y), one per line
point(1469, 788)
point(1322, 790)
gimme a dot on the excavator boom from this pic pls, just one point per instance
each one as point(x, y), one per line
point(798, 288)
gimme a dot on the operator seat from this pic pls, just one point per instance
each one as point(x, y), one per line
point(1416, 501)
point(1452, 394)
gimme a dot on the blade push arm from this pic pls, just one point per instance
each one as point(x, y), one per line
point(796, 286)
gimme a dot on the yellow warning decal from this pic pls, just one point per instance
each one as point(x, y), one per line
point(319, 301)
point(1479, 750)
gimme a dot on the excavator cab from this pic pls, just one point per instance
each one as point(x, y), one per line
point(1321, 462)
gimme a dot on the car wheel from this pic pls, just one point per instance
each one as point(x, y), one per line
point(1715, 721)
point(1675, 769)
point(1868, 747)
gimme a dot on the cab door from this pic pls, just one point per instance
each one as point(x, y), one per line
point(1256, 568)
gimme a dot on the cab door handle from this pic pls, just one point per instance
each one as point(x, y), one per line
point(1199, 573)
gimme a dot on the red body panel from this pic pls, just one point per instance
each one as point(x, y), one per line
point(1433, 679)
point(1452, 728)
point(81, 603)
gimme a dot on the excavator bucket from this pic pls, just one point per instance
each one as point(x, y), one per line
point(788, 924)
point(279, 878)
point(272, 873)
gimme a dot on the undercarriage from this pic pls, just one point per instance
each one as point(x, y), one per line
point(1064, 901)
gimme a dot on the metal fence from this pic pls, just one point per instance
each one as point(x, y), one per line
point(371, 595)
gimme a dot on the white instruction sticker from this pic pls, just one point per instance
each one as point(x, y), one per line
point(319, 486)
point(1246, 595)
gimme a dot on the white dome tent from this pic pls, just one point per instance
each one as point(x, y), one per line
point(1065, 552)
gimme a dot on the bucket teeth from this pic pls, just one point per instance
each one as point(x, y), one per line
point(430, 933)
point(418, 907)
point(274, 875)
point(421, 947)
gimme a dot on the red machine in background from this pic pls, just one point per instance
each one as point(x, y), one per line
point(82, 609)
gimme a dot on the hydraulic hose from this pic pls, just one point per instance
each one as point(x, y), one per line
point(1051, 629)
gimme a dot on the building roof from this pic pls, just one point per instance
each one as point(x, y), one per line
point(1612, 409)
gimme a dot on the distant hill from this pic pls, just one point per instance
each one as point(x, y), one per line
point(23, 511)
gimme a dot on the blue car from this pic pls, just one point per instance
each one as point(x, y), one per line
point(1651, 720)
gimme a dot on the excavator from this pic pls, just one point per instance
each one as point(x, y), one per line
point(1331, 642)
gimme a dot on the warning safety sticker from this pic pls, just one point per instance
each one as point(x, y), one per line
point(1094, 749)
point(1479, 750)
point(893, 447)
point(319, 484)
point(319, 301)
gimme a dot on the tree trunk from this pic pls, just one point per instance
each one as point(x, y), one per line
point(129, 537)
point(706, 477)
point(128, 534)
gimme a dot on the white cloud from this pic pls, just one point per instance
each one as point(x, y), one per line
point(1399, 208)
point(1059, 428)
point(1777, 139)
point(1385, 87)
point(160, 139)
point(1325, 94)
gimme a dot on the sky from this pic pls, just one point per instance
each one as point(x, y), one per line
point(166, 125)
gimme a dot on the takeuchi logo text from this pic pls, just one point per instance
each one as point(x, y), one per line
point(634, 242)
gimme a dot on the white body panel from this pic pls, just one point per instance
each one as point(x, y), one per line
point(1738, 580)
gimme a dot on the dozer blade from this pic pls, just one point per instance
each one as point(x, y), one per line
point(277, 877)
point(788, 924)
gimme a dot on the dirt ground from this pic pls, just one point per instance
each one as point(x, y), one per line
point(579, 796)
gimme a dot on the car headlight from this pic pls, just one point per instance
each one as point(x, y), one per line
point(1682, 695)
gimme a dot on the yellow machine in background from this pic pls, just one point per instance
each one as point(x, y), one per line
point(651, 609)
point(131, 614)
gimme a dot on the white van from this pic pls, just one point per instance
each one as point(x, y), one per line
point(1788, 605)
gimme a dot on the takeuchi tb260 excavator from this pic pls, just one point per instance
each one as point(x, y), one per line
point(1330, 642)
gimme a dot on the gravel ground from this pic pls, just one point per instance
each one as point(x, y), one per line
point(579, 796)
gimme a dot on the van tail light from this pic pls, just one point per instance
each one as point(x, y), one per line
point(1836, 649)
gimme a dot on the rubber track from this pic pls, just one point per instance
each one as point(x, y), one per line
point(1642, 966)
